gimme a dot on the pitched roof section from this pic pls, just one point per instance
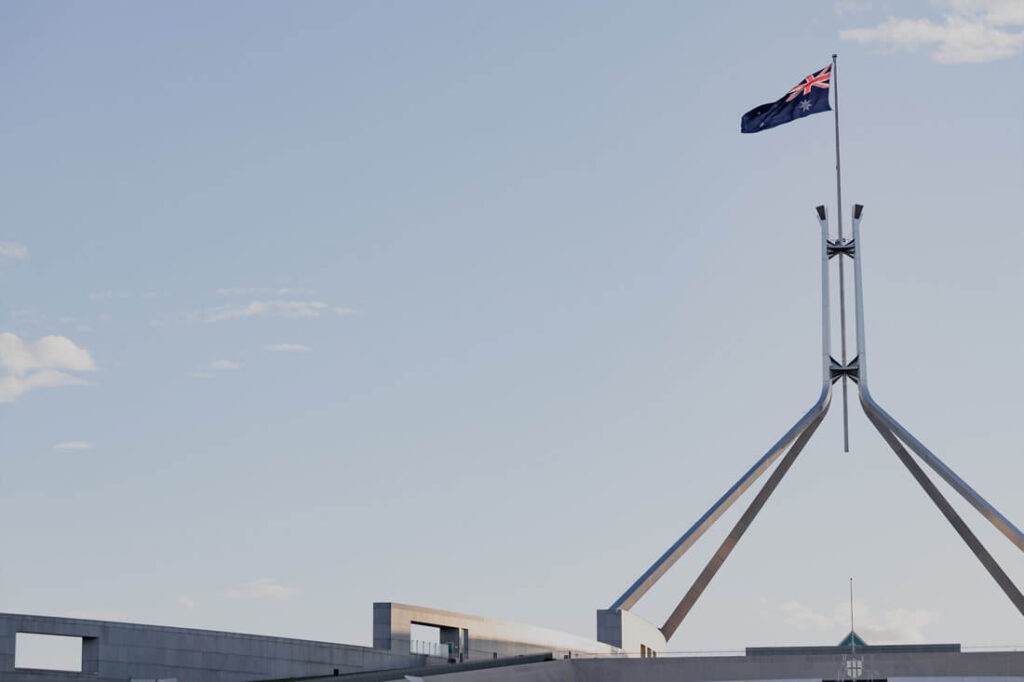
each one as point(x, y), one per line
point(852, 639)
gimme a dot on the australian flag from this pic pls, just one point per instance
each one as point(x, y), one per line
point(809, 97)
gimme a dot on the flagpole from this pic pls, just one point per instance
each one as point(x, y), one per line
point(853, 637)
point(842, 287)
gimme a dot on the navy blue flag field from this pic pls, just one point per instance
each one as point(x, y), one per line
point(809, 97)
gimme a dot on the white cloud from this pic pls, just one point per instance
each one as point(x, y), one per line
point(896, 626)
point(899, 626)
point(209, 371)
point(13, 386)
point(973, 31)
point(844, 7)
point(13, 250)
point(997, 12)
point(72, 446)
point(36, 364)
point(260, 588)
point(49, 352)
point(283, 308)
point(805, 618)
point(294, 309)
point(288, 348)
point(273, 291)
point(120, 295)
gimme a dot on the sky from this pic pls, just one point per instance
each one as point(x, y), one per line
point(479, 306)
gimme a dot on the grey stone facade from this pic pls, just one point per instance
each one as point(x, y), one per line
point(125, 650)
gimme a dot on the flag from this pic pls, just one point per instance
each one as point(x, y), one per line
point(810, 96)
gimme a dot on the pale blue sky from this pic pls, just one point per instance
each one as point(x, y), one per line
point(480, 305)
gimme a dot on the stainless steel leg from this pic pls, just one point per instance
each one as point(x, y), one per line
point(947, 510)
point(702, 581)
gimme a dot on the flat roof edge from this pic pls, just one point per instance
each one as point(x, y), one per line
point(868, 649)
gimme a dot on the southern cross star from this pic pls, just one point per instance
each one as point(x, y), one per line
point(805, 105)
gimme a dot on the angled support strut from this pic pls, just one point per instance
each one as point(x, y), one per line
point(896, 436)
point(794, 439)
point(699, 585)
point(965, 533)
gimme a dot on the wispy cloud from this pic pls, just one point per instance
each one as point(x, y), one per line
point(260, 588)
point(293, 309)
point(13, 251)
point(845, 7)
point(72, 446)
point(23, 318)
point(265, 291)
point(37, 364)
point(208, 371)
point(121, 295)
point(13, 387)
point(287, 348)
point(805, 618)
point(896, 626)
point(972, 31)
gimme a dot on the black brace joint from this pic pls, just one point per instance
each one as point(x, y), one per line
point(841, 249)
point(837, 370)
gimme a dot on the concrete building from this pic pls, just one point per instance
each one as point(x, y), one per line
point(470, 638)
point(123, 651)
point(910, 666)
point(472, 649)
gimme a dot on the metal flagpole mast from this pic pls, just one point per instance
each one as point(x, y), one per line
point(853, 639)
point(842, 287)
point(894, 434)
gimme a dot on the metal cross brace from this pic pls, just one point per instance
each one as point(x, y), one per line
point(794, 440)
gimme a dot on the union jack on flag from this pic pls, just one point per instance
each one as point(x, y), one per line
point(809, 96)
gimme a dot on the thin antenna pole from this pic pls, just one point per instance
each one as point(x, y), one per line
point(853, 637)
point(842, 286)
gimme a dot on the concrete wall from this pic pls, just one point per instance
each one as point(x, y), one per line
point(488, 637)
point(1003, 666)
point(124, 650)
point(923, 667)
point(629, 632)
point(551, 671)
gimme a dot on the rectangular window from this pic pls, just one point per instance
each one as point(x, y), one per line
point(421, 632)
point(48, 652)
point(426, 639)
